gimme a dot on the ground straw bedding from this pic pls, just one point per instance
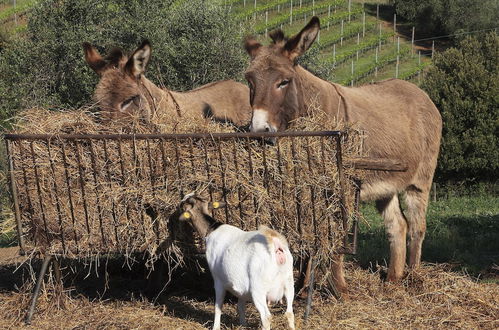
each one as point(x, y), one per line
point(96, 197)
point(431, 297)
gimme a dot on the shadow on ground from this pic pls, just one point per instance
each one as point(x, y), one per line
point(469, 243)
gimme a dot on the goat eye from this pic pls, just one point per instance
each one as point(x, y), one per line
point(283, 83)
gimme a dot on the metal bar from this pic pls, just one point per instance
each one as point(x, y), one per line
point(113, 207)
point(26, 187)
point(123, 179)
point(341, 175)
point(312, 195)
point(164, 162)
point(207, 167)
point(96, 183)
point(58, 206)
point(70, 198)
point(179, 171)
point(151, 169)
point(282, 192)
point(236, 165)
point(310, 288)
point(297, 193)
point(224, 185)
point(36, 292)
point(250, 162)
point(266, 180)
point(15, 201)
point(170, 136)
point(82, 185)
point(138, 175)
point(39, 190)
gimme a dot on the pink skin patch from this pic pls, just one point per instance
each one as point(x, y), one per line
point(279, 251)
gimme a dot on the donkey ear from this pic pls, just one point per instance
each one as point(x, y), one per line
point(93, 58)
point(136, 64)
point(252, 46)
point(299, 44)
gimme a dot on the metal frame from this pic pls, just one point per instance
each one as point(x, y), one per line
point(350, 240)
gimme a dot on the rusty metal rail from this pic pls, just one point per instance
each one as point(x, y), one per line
point(78, 194)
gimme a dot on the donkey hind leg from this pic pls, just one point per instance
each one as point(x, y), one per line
point(338, 272)
point(396, 229)
point(416, 203)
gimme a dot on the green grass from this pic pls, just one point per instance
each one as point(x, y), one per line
point(463, 231)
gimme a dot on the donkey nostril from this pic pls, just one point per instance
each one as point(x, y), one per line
point(267, 129)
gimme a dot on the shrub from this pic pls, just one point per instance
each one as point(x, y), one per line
point(446, 17)
point(463, 83)
point(194, 42)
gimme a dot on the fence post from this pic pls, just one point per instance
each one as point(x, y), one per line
point(412, 42)
point(397, 67)
point(291, 12)
point(334, 54)
point(351, 82)
point(358, 43)
point(341, 34)
point(349, 10)
point(376, 61)
point(432, 48)
point(394, 26)
point(363, 24)
point(434, 191)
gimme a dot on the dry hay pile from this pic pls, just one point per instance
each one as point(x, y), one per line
point(104, 196)
point(431, 297)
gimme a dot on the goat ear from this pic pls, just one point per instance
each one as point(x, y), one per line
point(185, 216)
point(217, 205)
point(136, 64)
point(252, 46)
point(299, 43)
point(94, 59)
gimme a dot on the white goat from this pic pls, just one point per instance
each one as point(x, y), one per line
point(253, 265)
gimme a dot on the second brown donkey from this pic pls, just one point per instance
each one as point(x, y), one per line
point(123, 90)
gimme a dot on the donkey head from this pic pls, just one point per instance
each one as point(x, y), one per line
point(120, 91)
point(275, 91)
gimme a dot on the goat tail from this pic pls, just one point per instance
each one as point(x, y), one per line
point(279, 250)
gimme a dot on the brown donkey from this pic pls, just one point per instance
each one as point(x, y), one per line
point(400, 120)
point(123, 90)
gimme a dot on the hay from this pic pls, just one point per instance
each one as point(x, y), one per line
point(115, 196)
point(431, 297)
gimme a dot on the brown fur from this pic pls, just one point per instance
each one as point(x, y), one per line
point(122, 79)
point(400, 120)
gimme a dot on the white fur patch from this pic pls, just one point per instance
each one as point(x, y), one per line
point(186, 197)
point(260, 121)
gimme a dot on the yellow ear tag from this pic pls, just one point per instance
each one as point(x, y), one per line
point(187, 215)
point(216, 205)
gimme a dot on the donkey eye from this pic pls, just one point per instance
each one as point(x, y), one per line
point(283, 83)
point(127, 102)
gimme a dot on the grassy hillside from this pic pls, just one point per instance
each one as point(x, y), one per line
point(354, 43)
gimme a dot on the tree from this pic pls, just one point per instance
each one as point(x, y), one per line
point(448, 17)
point(464, 84)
